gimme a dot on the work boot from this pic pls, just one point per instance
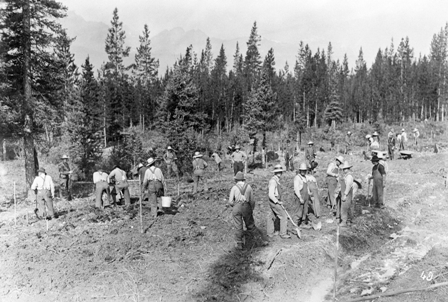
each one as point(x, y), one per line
point(306, 226)
point(286, 236)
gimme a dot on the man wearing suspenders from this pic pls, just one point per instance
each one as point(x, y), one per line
point(153, 180)
point(332, 181)
point(275, 209)
point(301, 199)
point(199, 166)
point(243, 205)
point(43, 186)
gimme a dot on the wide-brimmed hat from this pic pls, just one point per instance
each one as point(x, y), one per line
point(151, 161)
point(239, 176)
point(415, 130)
point(237, 147)
point(140, 165)
point(348, 132)
point(375, 134)
point(169, 148)
point(359, 182)
point(340, 159)
point(368, 136)
point(303, 167)
point(346, 165)
point(402, 130)
point(41, 170)
point(65, 156)
point(277, 168)
point(310, 143)
point(197, 154)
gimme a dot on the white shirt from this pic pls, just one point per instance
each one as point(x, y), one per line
point(299, 180)
point(43, 183)
point(99, 176)
point(273, 191)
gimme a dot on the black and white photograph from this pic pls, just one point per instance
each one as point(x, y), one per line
point(223, 150)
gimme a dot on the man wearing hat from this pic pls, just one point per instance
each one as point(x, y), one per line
point(276, 211)
point(199, 166)
point(345, 207)
point(44, 189)
point(332, 181)
point(404, 140)
point(169, 157)
point(243, 205)
point(348, 142)
point(310, 154)
point(217, 159)
point(154, 181)
point(416, 136)
point(379, 180)
point(101, 181)
point(376, 142)
point(301, 200)
point(369, 142)
point(64, 178)
point(238, 160)
point(121, 184)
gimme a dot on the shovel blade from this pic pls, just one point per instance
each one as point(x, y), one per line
point(317, 226)
point(299, 234)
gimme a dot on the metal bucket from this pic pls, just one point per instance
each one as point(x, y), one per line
point(166, 201)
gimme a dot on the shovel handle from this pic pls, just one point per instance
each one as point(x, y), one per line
point(292, 221)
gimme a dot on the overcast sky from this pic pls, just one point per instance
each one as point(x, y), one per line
point(348, 24)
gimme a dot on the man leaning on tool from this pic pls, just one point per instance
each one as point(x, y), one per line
point(275, 210)
point(43, 186)
point(243, 205)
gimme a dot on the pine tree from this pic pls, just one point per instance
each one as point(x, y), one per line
point(84, 123)
point(252, 61)
point(146, 67)
point(261, 109)
point(28, 30)
point(115, 45)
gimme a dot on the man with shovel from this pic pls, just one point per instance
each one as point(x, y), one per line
point(243, 205)
point(332, 181)
point(379, 180)
point(276, 210)
point(301, 199)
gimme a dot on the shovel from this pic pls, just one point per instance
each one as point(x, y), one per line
point(292, 221)
point(368, 191)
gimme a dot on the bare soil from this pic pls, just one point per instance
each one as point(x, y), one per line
point(189, 255)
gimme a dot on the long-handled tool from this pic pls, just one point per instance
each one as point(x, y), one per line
point(292, 221)
point(141, 215)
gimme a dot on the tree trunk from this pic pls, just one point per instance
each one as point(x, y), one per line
point(4, 149)
point(315, 116)
point(30, 153)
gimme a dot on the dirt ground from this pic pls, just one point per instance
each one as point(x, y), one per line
point(189, 255)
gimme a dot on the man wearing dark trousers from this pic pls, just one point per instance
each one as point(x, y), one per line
point(238, 160)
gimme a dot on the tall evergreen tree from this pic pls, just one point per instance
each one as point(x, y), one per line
point(252, 61)
point(28, 30)
point(115, 45)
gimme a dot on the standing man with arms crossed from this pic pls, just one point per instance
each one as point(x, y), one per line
point(238, 160)
point(64, 178)
point(379, 181)
point(169, 157)
point(275, 209)
point(332, 181)
point(310, 155)
point(43, 187)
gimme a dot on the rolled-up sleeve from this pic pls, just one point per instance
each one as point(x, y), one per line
point(298, 185)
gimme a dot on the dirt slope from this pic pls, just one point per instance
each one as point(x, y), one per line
point(89, 255)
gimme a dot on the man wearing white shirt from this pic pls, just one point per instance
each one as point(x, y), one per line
point(275, 209)
point(302, 196)
point(346, 203)
point(101, 181)
point(43, 186)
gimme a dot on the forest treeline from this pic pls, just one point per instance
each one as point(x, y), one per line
point(44, 96)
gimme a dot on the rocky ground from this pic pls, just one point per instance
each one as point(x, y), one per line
point(188, 254)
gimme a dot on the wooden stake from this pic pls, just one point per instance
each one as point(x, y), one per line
point(15, 206)
point(141, 197)
point(47, 223)
point(336, 262)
